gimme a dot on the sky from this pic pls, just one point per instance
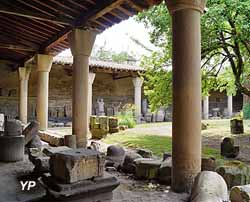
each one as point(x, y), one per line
point(117, 38)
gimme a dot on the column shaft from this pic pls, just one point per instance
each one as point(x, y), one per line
point(81, 44)
point(23, 101)
point(91, 81)
point(186, 99)
point(137, 97)
point(44, 63)
point(80, 99)
point(42, 99)
point(230, 105)
point(206, 107)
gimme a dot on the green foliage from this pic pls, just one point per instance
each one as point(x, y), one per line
point(157, 82)
point(225, 48)
point(126, 116)
point(108, 55)
point(246, 111)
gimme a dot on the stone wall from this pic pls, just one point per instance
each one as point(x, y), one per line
point(115, 93)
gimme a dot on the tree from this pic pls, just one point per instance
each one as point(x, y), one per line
point(225, 44)
point(102, 53)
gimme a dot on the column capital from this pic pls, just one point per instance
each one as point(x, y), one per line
point(137, 81)
point(24, 73)
point(82, 41)
point(176, 5)
point(44, 62)
point(91, 77)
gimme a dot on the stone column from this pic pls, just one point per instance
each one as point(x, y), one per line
point(186, 151)
point(230, 105)
point(44, 63)
point(23, 73)
point(137, 97)
point(206, 107)
point(81, 44)
point(91, 81)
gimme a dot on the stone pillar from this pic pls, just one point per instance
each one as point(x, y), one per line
point(81, 44)
point(230, 105)
point(23, 73)
point(137, 97)
point(91, 81)
point(186, 151)
point(44, 63)
point(206, 107)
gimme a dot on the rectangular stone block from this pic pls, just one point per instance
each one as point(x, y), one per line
point(75, 165)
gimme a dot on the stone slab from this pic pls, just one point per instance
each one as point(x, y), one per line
point(71, 166)
point(49, 151)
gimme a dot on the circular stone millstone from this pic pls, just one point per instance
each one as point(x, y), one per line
point(13, 128)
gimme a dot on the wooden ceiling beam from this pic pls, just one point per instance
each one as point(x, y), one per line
point(17, 47)
point(103, 8)
point(31, 15)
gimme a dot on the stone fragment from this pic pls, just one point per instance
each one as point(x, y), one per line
point(209, 187)
point(145, 153)
point(52, 139)
point(235, 173)
point(236, 126)
point(71, 166)
point(208, 164)
point(49, 151)
point(203, 126)
point(13, 128)
point(30, 131)
point(115, 154)
point(113, 122)
point(35, 142)
point(165, 172)
point(110, 169)
point(129, 165)
point(147, 169)
point(95, 146)
point(240, 193)
point(123, 127)
point(114, 130)
point(228, 149)
point(166, 156)
point(70, 141)
point(98, 133)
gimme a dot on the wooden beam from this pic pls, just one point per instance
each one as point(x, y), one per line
point(31, 15)
point(93, 14)
point(17, 47)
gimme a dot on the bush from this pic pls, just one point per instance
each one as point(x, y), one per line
point(126, 116)
point(246, 111)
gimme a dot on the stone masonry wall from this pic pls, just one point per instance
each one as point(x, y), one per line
point(114, 92)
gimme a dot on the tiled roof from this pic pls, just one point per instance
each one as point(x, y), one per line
point(62, 60)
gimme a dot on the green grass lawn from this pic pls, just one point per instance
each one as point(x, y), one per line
point(157, 144)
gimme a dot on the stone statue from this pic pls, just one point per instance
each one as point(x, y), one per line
point(101, 111)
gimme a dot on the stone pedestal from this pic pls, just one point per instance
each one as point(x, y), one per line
point(186, 91)
point(98, 189)
point(81, 43)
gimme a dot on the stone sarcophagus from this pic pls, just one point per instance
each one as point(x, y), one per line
point(75, 165)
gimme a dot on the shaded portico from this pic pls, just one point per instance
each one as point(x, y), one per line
point(75, 25)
